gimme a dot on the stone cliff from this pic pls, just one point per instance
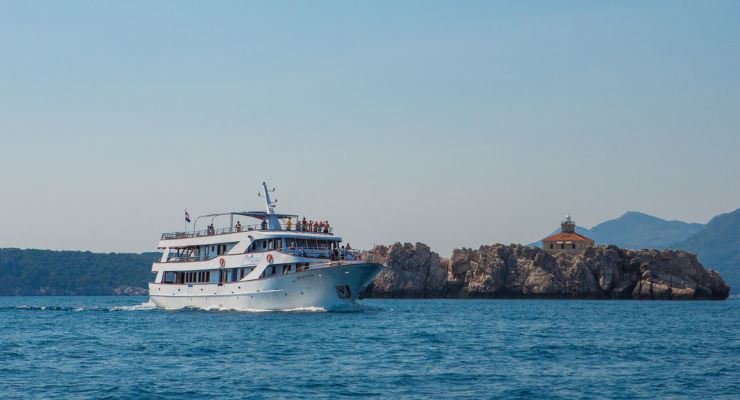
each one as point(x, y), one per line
point(516, 271)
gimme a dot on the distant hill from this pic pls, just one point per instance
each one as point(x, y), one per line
point(635, 230)
point(718, 247)
point(47, 272)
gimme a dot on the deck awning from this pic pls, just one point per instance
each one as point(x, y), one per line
point(252, 214)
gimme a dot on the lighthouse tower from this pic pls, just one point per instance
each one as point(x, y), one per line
point(568, 225)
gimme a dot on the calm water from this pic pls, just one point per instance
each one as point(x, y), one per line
point(108, 347)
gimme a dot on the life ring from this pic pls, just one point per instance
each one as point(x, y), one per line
point(269, 257)
point(222, 262)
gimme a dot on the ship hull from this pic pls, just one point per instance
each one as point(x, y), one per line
point(334, 286)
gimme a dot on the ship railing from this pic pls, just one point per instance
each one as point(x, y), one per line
point(312, 252)
point(184, 259)
point(244, 228)
point(323, 252)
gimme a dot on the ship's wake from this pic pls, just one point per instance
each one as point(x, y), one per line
point(149, 305)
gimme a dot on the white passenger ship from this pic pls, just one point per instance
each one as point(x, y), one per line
point(276, 264)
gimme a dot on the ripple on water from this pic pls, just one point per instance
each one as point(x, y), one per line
point(113, 347)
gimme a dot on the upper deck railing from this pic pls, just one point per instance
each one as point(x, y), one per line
point(245, 228)
point(311, 252)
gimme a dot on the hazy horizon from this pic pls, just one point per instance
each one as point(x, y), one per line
point(452, 124)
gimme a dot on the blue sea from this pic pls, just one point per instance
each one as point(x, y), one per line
point(120, 348)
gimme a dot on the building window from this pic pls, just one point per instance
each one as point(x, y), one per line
point(551, 246)
point(574, 246)
point(562, 246)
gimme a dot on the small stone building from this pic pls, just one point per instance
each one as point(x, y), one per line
point(567, 240)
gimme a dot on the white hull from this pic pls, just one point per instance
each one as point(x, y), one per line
point(314, 288)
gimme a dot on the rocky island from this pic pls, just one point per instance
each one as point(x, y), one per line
point(517, 271)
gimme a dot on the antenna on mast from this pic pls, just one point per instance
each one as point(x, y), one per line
point(269, 204)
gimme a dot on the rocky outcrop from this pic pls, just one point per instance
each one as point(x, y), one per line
point(513, 271)
point(412, 271)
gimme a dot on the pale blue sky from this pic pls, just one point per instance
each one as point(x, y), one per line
point(451, 123)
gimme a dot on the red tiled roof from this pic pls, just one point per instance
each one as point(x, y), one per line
point(566, 237)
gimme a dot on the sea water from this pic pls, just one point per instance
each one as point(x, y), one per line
point(121, 347)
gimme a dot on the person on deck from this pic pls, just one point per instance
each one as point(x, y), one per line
point(289, 224)
point(310, 226)
point(238, 226)
point(264, 224)
point(335, 254)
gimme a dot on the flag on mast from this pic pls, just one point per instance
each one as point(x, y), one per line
point(187, 216)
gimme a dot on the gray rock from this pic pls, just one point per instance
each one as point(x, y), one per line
point(520, 271)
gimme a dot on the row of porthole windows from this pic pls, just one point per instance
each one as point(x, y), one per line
point(229, 275)
point(210, 276)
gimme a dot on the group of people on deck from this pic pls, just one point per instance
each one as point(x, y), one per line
point(311, 226)
point(301, 226)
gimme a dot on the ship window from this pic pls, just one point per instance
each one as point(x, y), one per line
point(264, 244)
point(169, 277)
point(301, 243)
point(290, 242)
point(277, 244)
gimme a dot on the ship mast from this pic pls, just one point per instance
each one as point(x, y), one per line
point(272, 220)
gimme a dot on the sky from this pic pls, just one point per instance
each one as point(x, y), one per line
point(456, 123)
